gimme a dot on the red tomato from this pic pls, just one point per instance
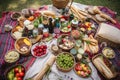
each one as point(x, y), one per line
point(19, 78)
point(39, 54)
point(23, 69)
point(40, 50)
point(45, 46)
point(42, 47)
point(69, 26)
point(21, 74)
point(78, 68)
point(35, 53)
point(16, 70)
point(17, 75)
point(88, 71)
point(44, 52)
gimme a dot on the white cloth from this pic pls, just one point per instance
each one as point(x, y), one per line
point(39, 63)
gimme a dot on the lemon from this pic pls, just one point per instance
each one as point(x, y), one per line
point(27, 42)
point(78, 72)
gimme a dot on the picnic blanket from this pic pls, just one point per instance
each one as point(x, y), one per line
point(7, 43)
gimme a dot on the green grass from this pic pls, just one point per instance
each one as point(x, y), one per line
point(18, 5)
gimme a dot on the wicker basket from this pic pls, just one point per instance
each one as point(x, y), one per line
point(19, 42)
point(60, 3)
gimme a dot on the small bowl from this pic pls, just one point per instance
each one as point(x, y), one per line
point(107, 52)
point(60, 40)
point(27, 12)
point(16, 30)
point(65, 32)
point(15, 15)
point(37, 44)
point(23, 45)
point(62, 69)
point(9, 59)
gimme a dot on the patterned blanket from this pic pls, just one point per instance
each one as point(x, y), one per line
point(7, 43)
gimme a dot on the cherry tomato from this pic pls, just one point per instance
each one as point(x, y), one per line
point(78, 68)
point(16, 70)
point(45, 46)
point(35, 53)
point(22, 74)
point(23, 69)
point(69, 26)
point(17, 75)
point(40, 50)
point(42, 47)
point(19, 78)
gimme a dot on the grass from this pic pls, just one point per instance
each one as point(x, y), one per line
point(18, 5)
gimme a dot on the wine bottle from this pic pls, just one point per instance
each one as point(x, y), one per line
point(50, 25)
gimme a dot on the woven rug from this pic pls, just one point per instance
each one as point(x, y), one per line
point(7, 43)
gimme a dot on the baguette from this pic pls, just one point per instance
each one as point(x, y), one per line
point(49, 13)
point(102, 67)
point(49, 63)
point(96, 10)
point(107, 17)
point(77, 12)
point(92, 41)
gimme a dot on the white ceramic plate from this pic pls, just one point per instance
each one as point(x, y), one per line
point(35, 46)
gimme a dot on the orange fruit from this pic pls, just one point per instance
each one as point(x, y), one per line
point(31, 18)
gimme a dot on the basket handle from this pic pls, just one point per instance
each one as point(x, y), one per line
point(103, 44)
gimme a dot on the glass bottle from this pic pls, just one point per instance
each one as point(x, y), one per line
point(50, 26)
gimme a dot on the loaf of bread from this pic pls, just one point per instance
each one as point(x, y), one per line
point(106, 71)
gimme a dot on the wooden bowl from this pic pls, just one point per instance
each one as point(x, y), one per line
point(63, 69)
point(12, 67)
point(83, 68)
point(59, 41)
point(25, 43)
point(15, 15)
